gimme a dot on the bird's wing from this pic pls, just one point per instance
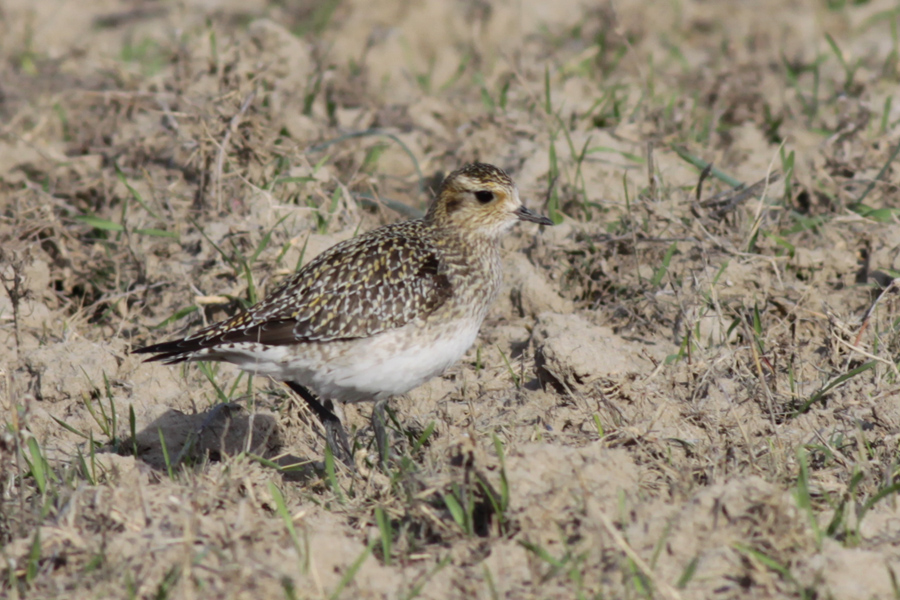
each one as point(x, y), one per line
point(357, 288)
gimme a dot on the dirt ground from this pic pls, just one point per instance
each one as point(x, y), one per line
point(686, 390)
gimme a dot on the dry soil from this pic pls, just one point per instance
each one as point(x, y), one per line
point(687, 389)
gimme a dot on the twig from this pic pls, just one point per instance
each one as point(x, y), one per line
point(892, 285)
point(377, 133)
point(757, 361)
point(663, 588)
point(13, 286)
point(220, 157)
point(368, 201)
point(703, 175)
point(868, 355)
point(141, 288)
point(729, 199)
point(758, 218)
point(880, 174)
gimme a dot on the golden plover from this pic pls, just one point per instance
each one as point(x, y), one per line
point(380, 314)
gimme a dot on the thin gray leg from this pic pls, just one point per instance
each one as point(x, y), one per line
point(379, 422)
point(335, 436)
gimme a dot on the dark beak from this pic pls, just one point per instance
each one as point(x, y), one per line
point(526, 215)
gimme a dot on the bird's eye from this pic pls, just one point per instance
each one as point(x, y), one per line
point(484, 196)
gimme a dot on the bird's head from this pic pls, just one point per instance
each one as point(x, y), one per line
point(480, 200)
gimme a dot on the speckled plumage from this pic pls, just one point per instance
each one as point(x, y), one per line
point(379, 314)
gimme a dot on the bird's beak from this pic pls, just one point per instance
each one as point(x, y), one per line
point(526, 215)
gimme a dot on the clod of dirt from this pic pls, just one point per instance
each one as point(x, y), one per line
point(718, 520)
point(850, 573)
point(571, 351)
point(54, 379)
point(15, 157)
point(527, 292)
point(292, 58)
point(538, 473)
point(31, 294)
point(547, 482)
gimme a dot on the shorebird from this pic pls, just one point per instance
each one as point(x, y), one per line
point(380, 314)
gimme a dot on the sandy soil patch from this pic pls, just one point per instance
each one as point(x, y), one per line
point(687, 389)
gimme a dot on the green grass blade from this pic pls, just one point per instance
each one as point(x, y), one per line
point(702, 164)
point(69, 428)
point(180, 314)
point(422, 439)
point(165, 451)
point(331, 474)
point(157, 233)
point(351, 573)
point(688, 573)
point(98, 223)
point(134, 193)
point(34, 557)
point(456, 510)
point(664, 267)
point(387, 534)
point(833, 384)
point(37, 465)
point(281, 509)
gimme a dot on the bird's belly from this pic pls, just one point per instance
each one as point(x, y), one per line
point(388, 364)
point(393, 362)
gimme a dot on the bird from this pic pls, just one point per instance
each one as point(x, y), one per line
point(379, 314)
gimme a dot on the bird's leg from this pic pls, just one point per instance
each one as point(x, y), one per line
point(379, 428)
point(334, 430)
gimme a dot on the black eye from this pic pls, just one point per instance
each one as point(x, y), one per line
point(484, 196)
